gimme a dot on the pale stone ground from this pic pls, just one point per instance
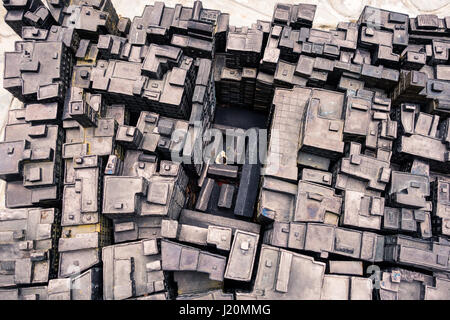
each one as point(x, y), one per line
point(242, 13)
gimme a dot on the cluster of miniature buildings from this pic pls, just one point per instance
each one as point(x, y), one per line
point(104, 199)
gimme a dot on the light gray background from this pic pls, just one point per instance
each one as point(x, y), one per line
point(242, 13)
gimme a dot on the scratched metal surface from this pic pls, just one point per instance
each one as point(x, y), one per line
point(242, 13)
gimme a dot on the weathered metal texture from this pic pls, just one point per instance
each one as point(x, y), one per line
point(423, 254)
point(38, 71)
point(211, 295)
point(401, 284)
point(85, 286)
point(284, 274)
point(276, 200)
point(28, 249)
point(317, 203)
point(357, 162)
point(325, 239)
point(242, 256)
point(441, 212)
point(32, 293)
point(31, 151)
point(177, 257)
point(132, 270)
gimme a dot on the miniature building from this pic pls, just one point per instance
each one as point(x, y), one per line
point(28, 248)
point(117, 189)
point(401, 284)
point(132, 270)
point(287, 275)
